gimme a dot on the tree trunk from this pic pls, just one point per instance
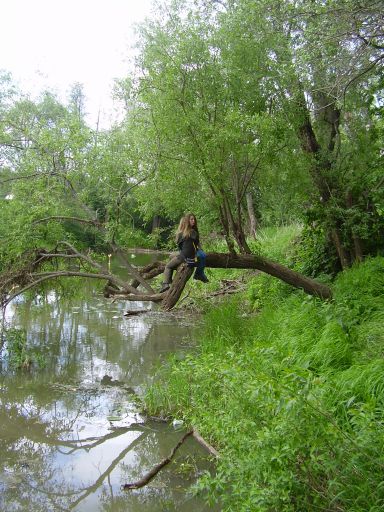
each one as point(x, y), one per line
point(251, 215)
point(237, 227)
point(323, 154)
point(225, 225)
point(156, 223)
point(358, 253)
point(29, 276)
point(219, 260)
point(358, 248)
point(180, 280)
point(341, 252)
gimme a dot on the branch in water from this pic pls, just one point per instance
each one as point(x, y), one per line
point(43, 276)
point(151, 474)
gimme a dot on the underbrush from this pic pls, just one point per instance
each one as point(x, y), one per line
point(290, 390)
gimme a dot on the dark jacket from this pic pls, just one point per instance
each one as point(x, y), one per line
point(188, 246)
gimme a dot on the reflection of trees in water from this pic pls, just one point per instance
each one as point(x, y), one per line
point(31, 447)
point(41, 446)
point(75, 338)
point(49, 427)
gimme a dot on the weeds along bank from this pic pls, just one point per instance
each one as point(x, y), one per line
point(291, 392)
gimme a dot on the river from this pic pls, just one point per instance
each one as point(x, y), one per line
point(71, 429)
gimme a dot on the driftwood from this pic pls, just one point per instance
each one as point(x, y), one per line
point(155, 470)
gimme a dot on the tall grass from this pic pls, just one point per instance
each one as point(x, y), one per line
point(292, 396)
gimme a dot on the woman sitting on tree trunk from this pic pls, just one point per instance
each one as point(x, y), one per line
point(187, 239)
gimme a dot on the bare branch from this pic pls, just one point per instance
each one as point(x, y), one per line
point(44, 276)
point(362, 73)
point(151, 474)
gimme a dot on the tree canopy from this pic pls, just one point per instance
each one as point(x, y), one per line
point(247, 112)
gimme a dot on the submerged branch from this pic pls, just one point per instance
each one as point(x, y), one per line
point(153, 472)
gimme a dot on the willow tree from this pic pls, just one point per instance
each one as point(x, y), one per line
point(59, 180)
point(325, 76)
point(43, 150)
point(239, 93)
point(207, 125)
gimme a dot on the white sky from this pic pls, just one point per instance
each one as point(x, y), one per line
point(54, 43)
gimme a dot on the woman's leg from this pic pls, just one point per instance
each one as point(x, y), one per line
point(168, 271)
point(199, 272)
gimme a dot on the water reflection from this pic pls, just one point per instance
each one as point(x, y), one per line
point(71, 434)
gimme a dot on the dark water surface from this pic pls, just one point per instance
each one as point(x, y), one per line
point(71, 433)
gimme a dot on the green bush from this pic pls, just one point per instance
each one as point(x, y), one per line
point(292, 396)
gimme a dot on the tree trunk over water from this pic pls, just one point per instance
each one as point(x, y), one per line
point(182, 276)
point(29, 276)
point(220, 260)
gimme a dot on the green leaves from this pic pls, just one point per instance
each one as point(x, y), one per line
point(293, 398)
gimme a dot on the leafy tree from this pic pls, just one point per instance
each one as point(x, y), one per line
point(208, 126)
point(236, 88)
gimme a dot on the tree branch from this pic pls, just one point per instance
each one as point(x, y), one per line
point(153, 472)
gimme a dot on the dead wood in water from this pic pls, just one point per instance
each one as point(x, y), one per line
point(153, 472)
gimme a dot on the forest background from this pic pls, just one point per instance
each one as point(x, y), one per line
point(251, 114)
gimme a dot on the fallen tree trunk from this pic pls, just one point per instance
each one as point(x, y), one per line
point(173, 294)
point(119, 289)
point(250, 261)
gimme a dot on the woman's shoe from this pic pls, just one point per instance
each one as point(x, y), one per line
point(201, 277)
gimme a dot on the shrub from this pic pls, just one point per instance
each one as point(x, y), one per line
point(292, 396)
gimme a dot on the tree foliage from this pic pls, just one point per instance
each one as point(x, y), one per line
point(232, 102)
point(276, 98)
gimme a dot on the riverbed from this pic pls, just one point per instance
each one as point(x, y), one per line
point(71, 428)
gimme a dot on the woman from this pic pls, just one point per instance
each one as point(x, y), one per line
point(187, 239)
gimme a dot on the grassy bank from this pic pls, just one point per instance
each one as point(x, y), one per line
point(291, 392)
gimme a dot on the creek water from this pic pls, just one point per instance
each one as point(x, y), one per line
point(71, 431)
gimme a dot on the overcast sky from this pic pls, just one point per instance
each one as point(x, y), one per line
point(54, 43)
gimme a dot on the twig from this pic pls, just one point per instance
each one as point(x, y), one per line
point(153, 472)
point(206, 445)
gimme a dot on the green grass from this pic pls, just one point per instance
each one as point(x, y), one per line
point(290, 390)
point(276, 242)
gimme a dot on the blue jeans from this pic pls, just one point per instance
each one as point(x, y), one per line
point(201, 256)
